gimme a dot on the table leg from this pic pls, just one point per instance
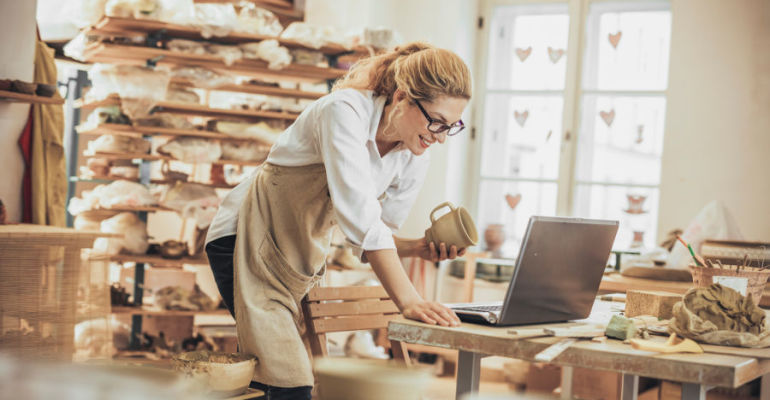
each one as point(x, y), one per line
point(630, 388)
point(468, 372)
point(566, 382)
point(693, 391)
point(764, 389)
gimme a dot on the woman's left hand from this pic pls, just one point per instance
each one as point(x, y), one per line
point(428, 251)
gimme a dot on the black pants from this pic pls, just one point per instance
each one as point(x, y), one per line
point(220, 253)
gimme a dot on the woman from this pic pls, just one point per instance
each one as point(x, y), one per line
point(354, 158)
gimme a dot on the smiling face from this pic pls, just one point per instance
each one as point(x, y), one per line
point(412, 126)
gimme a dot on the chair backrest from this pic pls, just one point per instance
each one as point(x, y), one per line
point(348, 308)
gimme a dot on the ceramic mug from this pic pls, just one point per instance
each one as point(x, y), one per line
point(453, 228)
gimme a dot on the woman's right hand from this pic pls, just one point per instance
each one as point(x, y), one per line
point(432, 313)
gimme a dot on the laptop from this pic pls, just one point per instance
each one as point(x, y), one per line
point(556, 276)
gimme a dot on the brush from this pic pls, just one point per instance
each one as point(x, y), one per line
point(698, 260)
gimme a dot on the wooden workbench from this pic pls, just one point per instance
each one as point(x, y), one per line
point(697, 372)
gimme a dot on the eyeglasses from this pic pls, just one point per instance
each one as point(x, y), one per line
point(440, 127)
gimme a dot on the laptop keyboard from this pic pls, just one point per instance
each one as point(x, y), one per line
point(497, 308)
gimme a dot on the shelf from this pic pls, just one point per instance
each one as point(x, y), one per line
point(140, 131)
point(147, 310)
point(257, 89)
point(108, 179)
point(194, 109)
point(158, 157)
point(139, 55)
point(14, 97)
point(129, 26)
point(154, 259)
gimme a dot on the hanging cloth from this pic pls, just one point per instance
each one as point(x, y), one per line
point(48, 166)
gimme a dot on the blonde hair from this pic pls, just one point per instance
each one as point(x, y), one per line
point(422, 71)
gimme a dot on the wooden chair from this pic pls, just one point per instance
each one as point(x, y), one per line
point(349, 308)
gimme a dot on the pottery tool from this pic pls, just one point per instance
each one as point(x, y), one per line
point(586, 332)
point(621, 328)
point(670, 346)
point(698, 259)
point(554, 350)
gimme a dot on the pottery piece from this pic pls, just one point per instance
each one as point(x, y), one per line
point(494, 237)
point(23, 87)
point(46, 90)
point(173, 249)
point(222, 374)
point(453, 228)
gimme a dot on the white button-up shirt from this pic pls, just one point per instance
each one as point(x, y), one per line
point(372, 195)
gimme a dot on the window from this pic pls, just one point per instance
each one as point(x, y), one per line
point(555, 141)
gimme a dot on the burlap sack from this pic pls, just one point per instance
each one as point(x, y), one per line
point(720, 315)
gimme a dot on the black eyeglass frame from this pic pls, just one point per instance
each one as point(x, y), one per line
point(441, 126)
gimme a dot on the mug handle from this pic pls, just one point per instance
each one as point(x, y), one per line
point(438, 207)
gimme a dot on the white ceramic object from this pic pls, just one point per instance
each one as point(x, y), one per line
point(222, 374)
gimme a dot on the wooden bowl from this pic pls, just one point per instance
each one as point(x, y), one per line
point(221, 374)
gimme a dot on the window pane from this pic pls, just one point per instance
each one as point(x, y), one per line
point(621, 139)
point(627, 50)
point(522, 136)
point(636, 208)
point(527, 198)
point(528, 47)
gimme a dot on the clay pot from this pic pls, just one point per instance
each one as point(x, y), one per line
point(173, 249)
point(46, 90)
point(494, 237)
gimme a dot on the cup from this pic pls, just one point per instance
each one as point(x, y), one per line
point(456, 228)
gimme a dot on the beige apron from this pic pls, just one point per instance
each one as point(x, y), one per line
point(284, 232)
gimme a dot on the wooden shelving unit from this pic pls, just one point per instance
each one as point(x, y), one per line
point(122, 54)
point(139, 55)
point(15, 97)
point(196, 109)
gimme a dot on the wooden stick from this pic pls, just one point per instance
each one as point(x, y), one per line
point(554, 350)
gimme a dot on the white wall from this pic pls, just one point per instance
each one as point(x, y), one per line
point(17, 57)
point(717, 143)
point(449, 24)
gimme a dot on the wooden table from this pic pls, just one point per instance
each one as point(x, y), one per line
point(697, 372)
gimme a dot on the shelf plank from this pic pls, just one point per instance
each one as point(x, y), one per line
point(117, 26)
point(195, 109)
point(257, 89)
point(158, 157)
point(140, 131)
point(153, 259)
point(147, 310)
point(108, 178)
point(138, 55)
point(14, 97)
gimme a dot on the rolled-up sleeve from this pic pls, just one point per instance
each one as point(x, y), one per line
point(342, 137)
